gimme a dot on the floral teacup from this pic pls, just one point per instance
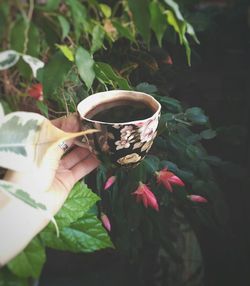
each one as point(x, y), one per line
point(124, 143)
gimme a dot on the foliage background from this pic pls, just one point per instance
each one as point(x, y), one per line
point(135, 65)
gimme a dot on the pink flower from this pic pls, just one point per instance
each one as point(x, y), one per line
point(197, 199)
point(168, 60)
point(110, 181)
point(105, 221)
point(36, 91)
point(143, 194)
point(168, 179)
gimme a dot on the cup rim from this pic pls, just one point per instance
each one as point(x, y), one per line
point(107, 96)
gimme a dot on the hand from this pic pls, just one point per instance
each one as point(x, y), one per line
point(50, 186)
point(53, 183)
point(76, 163)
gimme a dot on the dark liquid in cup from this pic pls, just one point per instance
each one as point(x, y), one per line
point(122, 113)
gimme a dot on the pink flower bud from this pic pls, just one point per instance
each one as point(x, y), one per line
point(143, 194)
point(197, 199)
point(109, 182)
point(169, 60)
point(105, 221)
point(168, 179)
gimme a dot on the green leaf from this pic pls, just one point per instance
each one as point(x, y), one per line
point(152, 163)
point(48, 27)
point(101, 176)
point(158, 21)
point(79, 17)
point(169, 165)
point(4, 15)
point(65, 26)
point(7, 278)
point(30, 261)
point(17, 38)
point(174, 23)
point(67, 52)
point(194, 138)
point(196, 115)
point(204, 170)
point(84, 235)
point(54, 73)
point(191, 32)
point(184, 41)
point(208, 134)
point(43, 108)
point(79, 201)
point(17, 41)
point(97, 38)
point(168, 116)
point(187, 48)
point(181, 27)
point(15, 135)
point(213, 160)
point(175, 7)
point(146, 87)
point(85, 65)
point(141, 16)
point(106, 74)
point(106, 10)
point(171, 104)
point(20, 194)
point(194, 152)
point(5, 106)
point(124, 31)
point(8, 59)
point(52, 5)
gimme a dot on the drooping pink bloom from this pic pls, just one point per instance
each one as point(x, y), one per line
point(169, 60)
point(36, 91)
point(168, 179)
point(197, 199)
point(110, 181)
point(106, 222)
point(143, 194)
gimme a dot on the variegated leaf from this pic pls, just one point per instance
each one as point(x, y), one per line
point(8, 59)
point(20, 194)
point(29, 140)
point(18, 205)
point(34, 63)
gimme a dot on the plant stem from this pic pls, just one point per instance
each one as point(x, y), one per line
point(26, 32)
point(182, 121)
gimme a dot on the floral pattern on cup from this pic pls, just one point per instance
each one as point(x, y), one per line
point(138, 136)
point(124, 144)
point(127, 134)
point(129, 159)
point(148, 129)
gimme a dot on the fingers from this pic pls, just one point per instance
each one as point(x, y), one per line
point(70, 123)
point(84, 167)
point(73, 157)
